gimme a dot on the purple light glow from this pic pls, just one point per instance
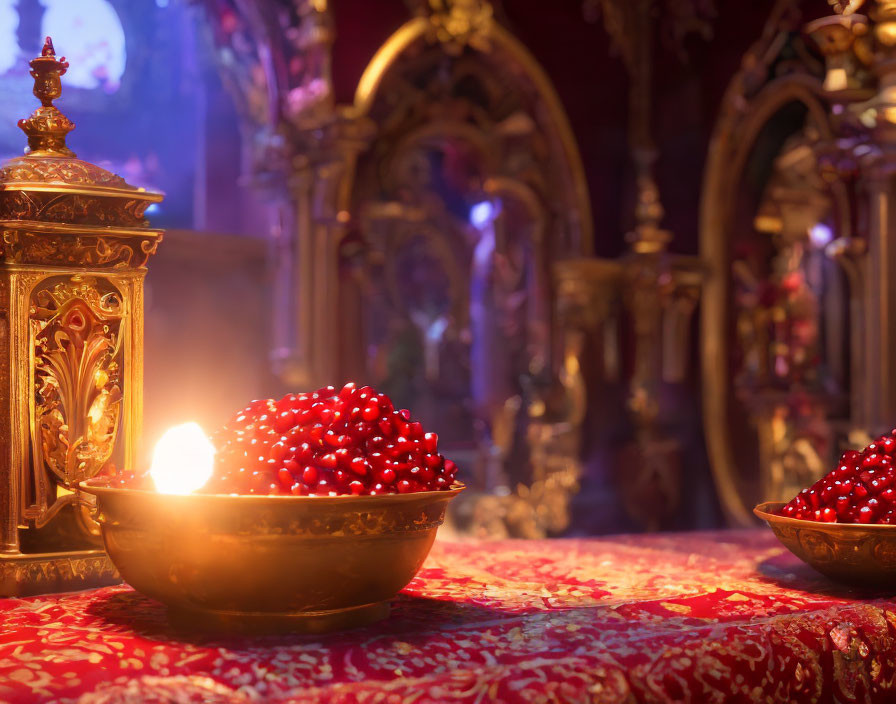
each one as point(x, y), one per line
point(820, 235)
point(481, 214)
point(9, 42)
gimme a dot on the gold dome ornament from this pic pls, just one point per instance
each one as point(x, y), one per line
point(74, 243)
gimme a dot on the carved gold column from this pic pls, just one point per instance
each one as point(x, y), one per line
point(586, 305)
point(851, 253)
point(320, 177)
point(659, 290)
point(880, 165)
point(74, 248)
point(845, 41)
point(586, 302)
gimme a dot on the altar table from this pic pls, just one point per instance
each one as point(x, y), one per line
point(692, 617)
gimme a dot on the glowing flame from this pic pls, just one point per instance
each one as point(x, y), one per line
point(183, 460)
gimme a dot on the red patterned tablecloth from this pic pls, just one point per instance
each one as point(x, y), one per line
point(703, 617)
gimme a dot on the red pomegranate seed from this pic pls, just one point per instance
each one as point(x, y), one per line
point(865, 515)
point(284, 421)
point(359, 466)
point(278, 451)
point(871, 460)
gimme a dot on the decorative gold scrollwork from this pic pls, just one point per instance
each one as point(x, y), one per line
point(72, 209)
point(73, 172)
point(67, 249)
point(76, 342)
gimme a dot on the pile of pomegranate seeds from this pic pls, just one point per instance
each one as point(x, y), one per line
point(862, 489)
point(326, 443)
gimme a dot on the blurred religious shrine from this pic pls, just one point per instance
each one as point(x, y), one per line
point(633, 261)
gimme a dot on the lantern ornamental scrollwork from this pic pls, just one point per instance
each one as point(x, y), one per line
point(76, 328)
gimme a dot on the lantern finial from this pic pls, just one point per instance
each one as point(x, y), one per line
point(47, 126)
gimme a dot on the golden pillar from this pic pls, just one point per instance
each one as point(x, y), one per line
point(880, 164)
point(321, 167)
point(74, 248)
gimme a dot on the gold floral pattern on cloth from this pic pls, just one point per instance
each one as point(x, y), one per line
point(701, 617)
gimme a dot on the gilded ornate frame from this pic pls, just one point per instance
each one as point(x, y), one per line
point(495, 39)
point(743, 116)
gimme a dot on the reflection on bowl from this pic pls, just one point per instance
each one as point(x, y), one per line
point(853, 553)
point(294, 563)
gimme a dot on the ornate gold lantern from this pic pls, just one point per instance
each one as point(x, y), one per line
point(72, 260)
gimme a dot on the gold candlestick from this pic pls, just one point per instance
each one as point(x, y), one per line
point(74, 247)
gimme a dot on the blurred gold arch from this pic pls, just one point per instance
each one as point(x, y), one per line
point(495, 39)
point(733, 139)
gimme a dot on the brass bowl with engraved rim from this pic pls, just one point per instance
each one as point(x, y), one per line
point(269, 563)
point(853, 553)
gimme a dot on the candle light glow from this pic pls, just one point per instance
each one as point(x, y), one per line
point(183, 460)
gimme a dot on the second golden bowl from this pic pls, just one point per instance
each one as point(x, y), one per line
point(853, 553)
point(294, 563)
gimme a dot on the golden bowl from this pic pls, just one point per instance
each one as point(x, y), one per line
point(853, 553)
point(262, 563)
